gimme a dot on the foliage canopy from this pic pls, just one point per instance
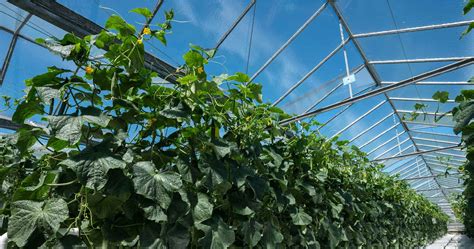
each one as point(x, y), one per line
point(128, 161)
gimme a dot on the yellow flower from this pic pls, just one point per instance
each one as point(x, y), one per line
point(147, 31)
point(200, 70)
point(89, 70)
point(140, 41)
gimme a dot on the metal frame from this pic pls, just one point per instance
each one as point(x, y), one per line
point(415, 29)
point(423, 60)
point(11, 48)
point(382, 90)
point(418, 152)
point(285, 45)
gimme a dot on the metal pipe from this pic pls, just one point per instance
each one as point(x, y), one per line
point(384, 143)
point(283, 47)
point(425, 177)
point(454, 147)
point(418, 99)
point(450, 154)
point(381, 90)
point(371, 127)
point(390, 149)
point(436, 134)
point(11, 48)
point(421, 60)
point(434, 140)
point(417, 153)
point(234, 25)
point(426, 113)
point(432, 83)
point(428, 124)
point(415, 29)
point(379, 135)
point(359, 118)
point(314, 69)
point(439, 189)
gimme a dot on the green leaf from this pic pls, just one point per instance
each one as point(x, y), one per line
point(66, 128)
point(468, 7)
point(35, 186)
point(26, 138)
point(154, 184)
point(160, 35)
point(154, 213)
point(178, 236)
point(142, 11)
point(187, 79)
point(27, 109)
point(117, 23)
point(271, 236)
point(441, 96)
point(301, 218)
point(221, 148)
point(252, 231)
point(463, 116)
point(29, 215)
point(203, 209)
point(239, 77)
point(92, 167)
point(193, 59)
point(220, 236)
point(46, 94)
point(175, 112)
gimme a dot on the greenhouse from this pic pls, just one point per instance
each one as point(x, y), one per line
point(236, 124)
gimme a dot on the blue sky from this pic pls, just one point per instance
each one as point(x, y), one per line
point(203, 22)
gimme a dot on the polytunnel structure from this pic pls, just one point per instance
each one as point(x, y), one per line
point(366, 71)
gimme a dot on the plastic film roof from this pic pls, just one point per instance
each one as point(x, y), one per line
point(395, 54)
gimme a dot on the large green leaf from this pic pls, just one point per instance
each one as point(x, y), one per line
point(301, 218)
point(27, 216)
point(220, 236)
point(203, 209)
point(66, 128)
point(155, 184)
point(92, 167)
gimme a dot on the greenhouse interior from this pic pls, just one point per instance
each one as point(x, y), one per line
point(236, 124)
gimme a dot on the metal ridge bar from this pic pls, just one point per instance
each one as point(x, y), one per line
point(285, 45)
point(450, 159)
point(429, 124)
point(417, 153)
point(382, 90)
point(438, 189)
point(450, 154)
point(11, 48)
point(421, 60)
point(436, 134)
point(433, 83)
point(426, 113)
point(359, 118)
point(418, 99)
point(434, 140)
point(371, 127)
point(307, 75)
point(435, 176)
point(454, 147)
point(379, 135)
point(414, 29)
point(68, 20)
point(386, 142)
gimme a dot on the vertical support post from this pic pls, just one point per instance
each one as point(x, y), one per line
point(345, 57)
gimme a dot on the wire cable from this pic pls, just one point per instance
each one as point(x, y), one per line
point(251, 38)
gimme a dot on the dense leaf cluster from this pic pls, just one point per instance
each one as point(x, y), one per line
point(124, 160)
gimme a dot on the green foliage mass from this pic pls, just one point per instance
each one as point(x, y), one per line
point(124, 160)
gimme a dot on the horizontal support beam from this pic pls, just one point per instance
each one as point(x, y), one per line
point(418, 99)
point(415, 29)
point(382, 90)
point(422, 60)
point(68, 20)
point(439, 189)
point(425, 113)
point(430, 83)
point(435, 140)
point(428, 124)
point(436, 134)
point(417, 153)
